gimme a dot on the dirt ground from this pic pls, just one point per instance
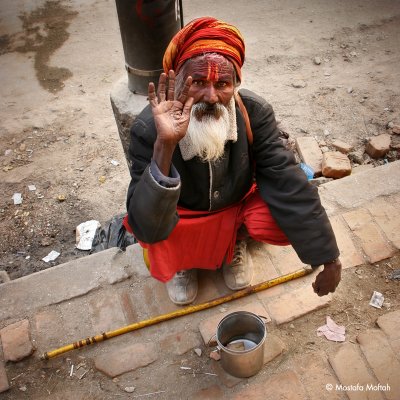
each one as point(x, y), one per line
point(330, 70)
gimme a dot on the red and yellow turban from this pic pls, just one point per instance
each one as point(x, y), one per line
point(205, 35)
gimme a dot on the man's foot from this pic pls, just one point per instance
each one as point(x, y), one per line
point(182, 288)
point(239, 273)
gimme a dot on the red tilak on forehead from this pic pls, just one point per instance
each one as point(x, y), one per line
point(213, 70)
point(210, 67)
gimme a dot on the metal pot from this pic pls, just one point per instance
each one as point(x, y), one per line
point(240, 337)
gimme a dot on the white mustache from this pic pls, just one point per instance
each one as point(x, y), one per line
point(200, 109)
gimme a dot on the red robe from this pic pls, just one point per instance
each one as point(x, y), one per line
point(206, 240)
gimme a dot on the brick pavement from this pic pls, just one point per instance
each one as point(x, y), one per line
point(115, 289)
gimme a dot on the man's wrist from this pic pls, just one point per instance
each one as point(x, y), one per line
point(334, 263)
point(171, 181)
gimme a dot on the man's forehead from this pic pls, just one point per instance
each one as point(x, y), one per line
point(210, 67)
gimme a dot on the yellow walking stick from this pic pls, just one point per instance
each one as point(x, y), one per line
point(178, 313)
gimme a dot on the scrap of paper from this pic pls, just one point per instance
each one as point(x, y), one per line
point(51, 256)
point(377, 300)
point(332, 331)
point(85, 233)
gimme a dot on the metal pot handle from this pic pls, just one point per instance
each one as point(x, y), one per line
point(211, 338)
point(217, 349)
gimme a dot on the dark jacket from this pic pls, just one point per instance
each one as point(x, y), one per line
point(293, 201)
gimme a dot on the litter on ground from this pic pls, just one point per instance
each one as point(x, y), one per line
point(85, 233)
point(51, 256)
point(332, 331)
point(17, 198)
point(377, 300)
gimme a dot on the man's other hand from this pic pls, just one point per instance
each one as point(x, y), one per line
point(328, 279)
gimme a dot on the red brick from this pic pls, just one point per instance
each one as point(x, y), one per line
point(262, 265)
point(225, 378)
point(48, 324)
point(372, 241)
point(387, 217)
point(264, 269)
point(16, 341)
point(349, 256)
point(150, 299)
point(382, 361)
point(274, 291)
point(316, 374)
point(76, 320)
point(4, 385)
point(128, 309)
point(284, 385)
point(390, 324)
point(358, 218)
point(335, 165)
point(378, 146)
point(302, 282)
point(273, 347)
point(208, 289)
point(208, 327)
point(211, 393)
point(343, 147)
point(154, 298)
point(351, 370)
point(126, 358)
point(284, 259)
point(295, 304)
point(310, 153)
point(106, 312)
point(180, 343)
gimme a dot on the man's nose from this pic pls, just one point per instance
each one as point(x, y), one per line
point(210, 95)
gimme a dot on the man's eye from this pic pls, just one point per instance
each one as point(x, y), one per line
point(198, 82)
point(222, 84)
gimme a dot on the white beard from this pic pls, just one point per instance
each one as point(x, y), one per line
point(206, 137)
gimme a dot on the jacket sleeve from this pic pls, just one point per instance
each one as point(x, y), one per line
point(151, 206)
point(293, 201)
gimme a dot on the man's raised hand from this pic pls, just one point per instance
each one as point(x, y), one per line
point(171, 116)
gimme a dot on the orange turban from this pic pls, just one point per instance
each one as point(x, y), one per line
point(205, 35)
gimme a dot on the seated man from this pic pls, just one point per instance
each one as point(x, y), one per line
point(209, 171)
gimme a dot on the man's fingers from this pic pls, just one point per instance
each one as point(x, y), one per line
point(161, 87)
point(152, 94)
point(187, 107)
point(318, 290)
point(321, 288)
point(183, 96)
point(171, 85)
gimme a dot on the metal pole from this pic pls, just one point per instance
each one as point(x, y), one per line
point(146, 26)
